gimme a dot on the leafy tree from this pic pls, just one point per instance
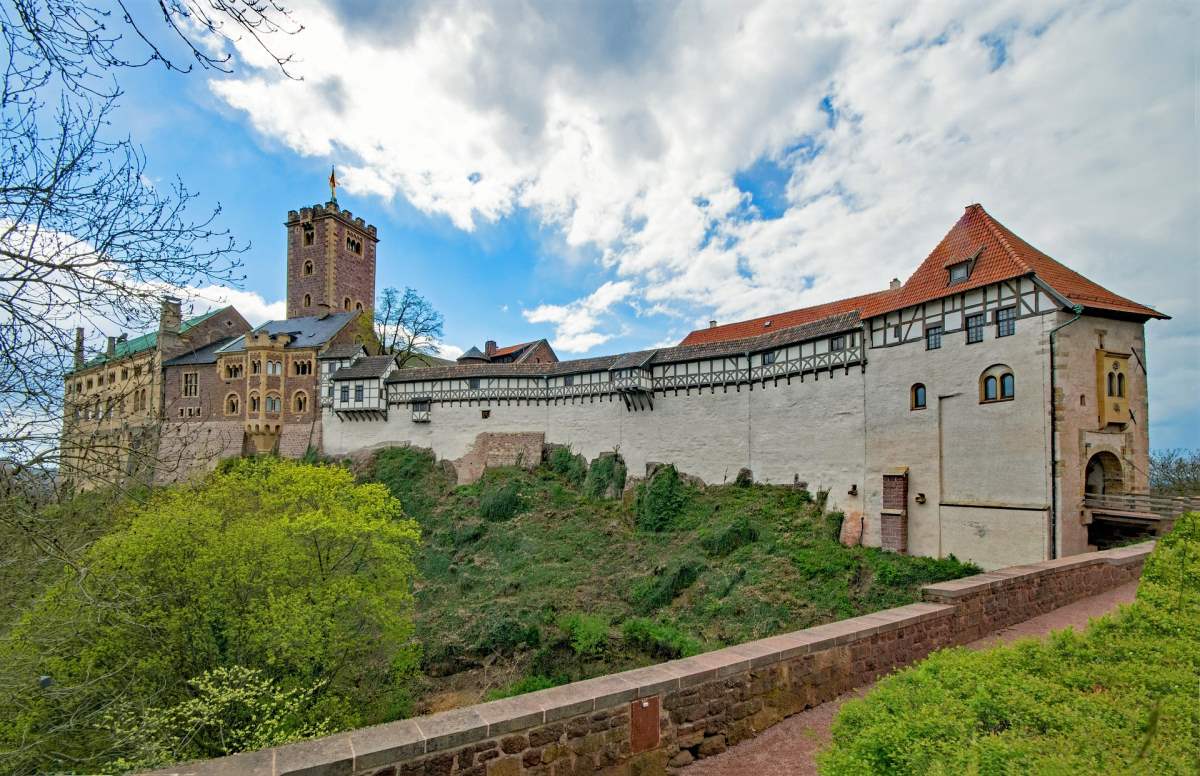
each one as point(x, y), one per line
point(278, 567)
point(406, 325)
point(1175, 472)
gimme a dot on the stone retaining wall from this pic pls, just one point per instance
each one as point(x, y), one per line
point(651, 720)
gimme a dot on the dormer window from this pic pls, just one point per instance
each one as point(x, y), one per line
point(959, 272)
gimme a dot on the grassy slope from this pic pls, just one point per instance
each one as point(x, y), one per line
point(546, 592)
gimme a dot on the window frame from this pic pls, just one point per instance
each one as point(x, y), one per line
point(974, 331)
point(913, 392)
point(190, 389)
point(837, 343)
point(1006, 321)
point(1002, 381)
point(932, 333)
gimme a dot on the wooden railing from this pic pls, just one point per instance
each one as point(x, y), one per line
point(1166, 507)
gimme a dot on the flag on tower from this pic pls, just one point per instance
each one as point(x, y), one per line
point(332, 185)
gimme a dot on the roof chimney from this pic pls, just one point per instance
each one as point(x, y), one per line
point(111, 349)
point(894, 284)
point(78, 347)
point(489, 347)
point(712, 324)
point(171, 317)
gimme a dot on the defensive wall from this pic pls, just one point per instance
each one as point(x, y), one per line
point(651, 720)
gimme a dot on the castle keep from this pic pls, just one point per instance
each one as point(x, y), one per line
point(976, 408)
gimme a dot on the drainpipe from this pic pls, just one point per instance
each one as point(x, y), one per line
point(1078, 310)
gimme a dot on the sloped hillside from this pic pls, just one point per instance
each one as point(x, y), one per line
point(529, 579)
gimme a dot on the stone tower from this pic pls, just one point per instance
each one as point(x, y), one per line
point(330, 261)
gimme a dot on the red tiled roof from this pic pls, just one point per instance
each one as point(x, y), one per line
point(756, 326)
point(998, 255)
point(509, 349)
point(1001, 255)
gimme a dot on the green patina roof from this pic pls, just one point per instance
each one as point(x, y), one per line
point(145, 342)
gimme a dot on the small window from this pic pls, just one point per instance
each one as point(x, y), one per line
point(346, 303)
point(975, 328)
point(358, 306)
point(1006, 321)
point(354, 245)
point(301, 367)
point(768, 358)
point(918, 397)
point(997, 384)
point(1008, 387)
point(310, 235)
point(273, 403)
point(300, 402)
point(933, 337)
point(1120, 385)
point(345, 394)
point(308, 300)
point(255, 367)
point(254, 402)
point(485, 414)
point(421, 406)
point(473, 383)
point(231, 404)
point(191, 384)
point(837, 343)
point(308, 269)
point(358, 394)
point(568, 380)
point(959, 272)
point(124, 373)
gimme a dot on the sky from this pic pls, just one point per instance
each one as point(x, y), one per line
point(612, 175)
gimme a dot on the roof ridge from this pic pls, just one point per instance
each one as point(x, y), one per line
point(997, 229)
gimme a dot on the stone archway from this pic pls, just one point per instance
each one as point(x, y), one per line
point(1104, 475)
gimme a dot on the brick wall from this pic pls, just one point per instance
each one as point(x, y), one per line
point(502, 449)
point(698, 706)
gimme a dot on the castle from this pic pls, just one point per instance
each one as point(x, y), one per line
point(971, 409)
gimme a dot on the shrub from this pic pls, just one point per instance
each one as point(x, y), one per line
point(1118, 698)
point(660, 500)
point(605, 476)
point(573, 468)
point(507, 635)
point(658, 639)
point(271, 565)
point(588, 633)
point(661, 589)
point(500, 501)
point(412, 475)
point(522, 686)
point(721, 541)
point(468, 533)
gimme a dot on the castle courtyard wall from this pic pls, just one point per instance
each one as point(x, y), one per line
point(811, 431)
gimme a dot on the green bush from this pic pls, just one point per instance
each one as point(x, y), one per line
point(661, 589)
point(588, 633)
point(507, 635)
point(412, 475)
point(659, 640)
point(660, 500)
point(1118, 698)
point(573, 468)
point(722, 540)
point(606, 474)
point(500, 501)
point(522, 686)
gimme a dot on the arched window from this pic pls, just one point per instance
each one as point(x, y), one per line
point(255, 367)
point(1112, 384)
point(1008, 386)
point(1120, 385)
point(299, 401)
point(231, 404)
point(358, 306)
point(997, 384)
point(308, 268)
point(917, 397)
point(273, 403)
point(346, 303)
point(254, 402)
point(308, 300)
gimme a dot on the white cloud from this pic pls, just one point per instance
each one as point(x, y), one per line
point(621, 126)
point(576, 324)
point(451, 352)
point(250, 304)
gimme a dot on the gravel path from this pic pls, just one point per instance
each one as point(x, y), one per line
point(790, 748)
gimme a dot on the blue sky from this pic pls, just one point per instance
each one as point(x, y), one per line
point(610, 176)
